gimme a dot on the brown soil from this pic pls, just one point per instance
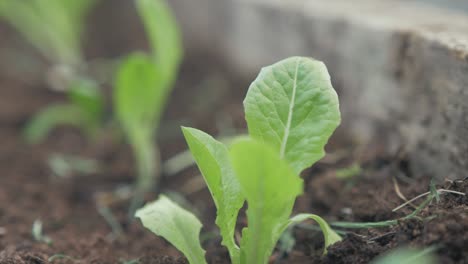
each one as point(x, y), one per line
point(207, 97)
point(68, 211)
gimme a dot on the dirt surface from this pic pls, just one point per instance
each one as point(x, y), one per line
point(80, 234)
point(209, 98)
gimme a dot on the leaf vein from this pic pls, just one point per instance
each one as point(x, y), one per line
point(290, 112)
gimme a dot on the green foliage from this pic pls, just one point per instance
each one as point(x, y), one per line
point(270, 187)
point(263, 169)
point(212, 158)
point(137, 105)
point(143, 83)
point(164, 37)
point(293, 107)
point(137, 97)
point(407, 256)
point(53, 26)
point(330, 236)
point(287, 240)
point(175, 224)
point(87, 96)
point(44, 121)
point(84, 110)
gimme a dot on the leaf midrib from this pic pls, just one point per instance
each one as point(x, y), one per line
point(290, 113)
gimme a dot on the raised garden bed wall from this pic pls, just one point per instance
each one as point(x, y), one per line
point(401, 68)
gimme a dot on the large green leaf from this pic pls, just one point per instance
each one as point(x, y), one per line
point(178, 226)
point(212, 158)
point(293, 107)
point(270, 187)
point(164, 35)
point(138, 96)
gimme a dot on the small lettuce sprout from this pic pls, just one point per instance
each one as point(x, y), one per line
point(142, 82)
point(85, 110)
point(142, 86)
point(178, 226)
point(291, 111)
point(55, 28)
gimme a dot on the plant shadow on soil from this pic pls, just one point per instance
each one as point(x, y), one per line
point(67, 206)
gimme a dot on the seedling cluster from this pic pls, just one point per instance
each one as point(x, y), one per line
point(142, 81)
point(291, 111)
point(55, 28)
point(142, 86)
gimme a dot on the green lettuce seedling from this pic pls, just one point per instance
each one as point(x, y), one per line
point(55, 28)
point(291, 111)
point(178, 226)
point(143, 83)
point(85, 110)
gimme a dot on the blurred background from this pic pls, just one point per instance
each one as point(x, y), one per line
point(374, 49)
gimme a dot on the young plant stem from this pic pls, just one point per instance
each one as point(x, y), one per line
point(357, 225)
point(418, 209)
point(410, 201)
point(439, 191)
point(109, 217)
point(148, 162)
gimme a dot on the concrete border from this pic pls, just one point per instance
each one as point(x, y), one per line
point(401, 68)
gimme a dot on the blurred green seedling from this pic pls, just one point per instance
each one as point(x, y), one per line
point(142, 86)
point(142, 82)
point(38, 234)
point(407, 256)
point(291, 111)
point(55, 28)
point(63, 166)
point(84, 110)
